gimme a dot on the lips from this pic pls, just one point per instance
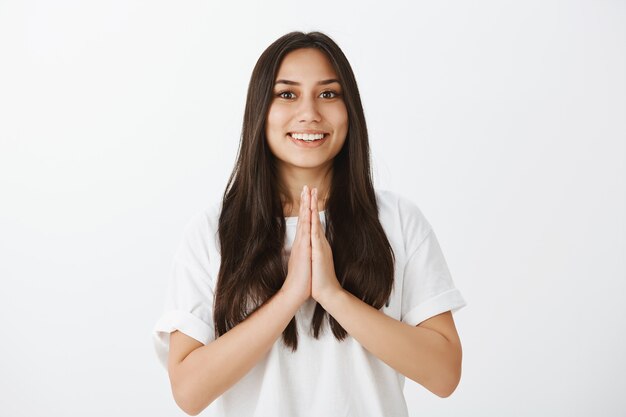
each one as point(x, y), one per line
point(307, 136)
point(309, 131)
point(311, 143)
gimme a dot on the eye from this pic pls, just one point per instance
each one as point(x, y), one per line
point(329, 94)
point(285, 94)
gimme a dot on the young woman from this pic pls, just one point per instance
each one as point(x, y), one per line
point(305, 291)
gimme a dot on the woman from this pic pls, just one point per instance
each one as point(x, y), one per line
point(306, 292)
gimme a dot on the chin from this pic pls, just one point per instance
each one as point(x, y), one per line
point(307, 163)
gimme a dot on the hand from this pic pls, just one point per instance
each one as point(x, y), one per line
point(324, 281)
point(298, 280)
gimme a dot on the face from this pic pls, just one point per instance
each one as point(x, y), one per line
point(307, 105)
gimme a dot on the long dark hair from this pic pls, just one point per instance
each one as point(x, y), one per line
point(252, 225)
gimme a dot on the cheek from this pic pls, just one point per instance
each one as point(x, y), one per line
point(274, 128)
point(339, 117)
point(276, 118)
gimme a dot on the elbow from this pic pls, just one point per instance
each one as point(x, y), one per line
point(186, 397)
point(450, 379)
point(448, 385)
point(443, 385)
point(184, 402)
point(188, 402)
point(453, 375)
point(446, 391)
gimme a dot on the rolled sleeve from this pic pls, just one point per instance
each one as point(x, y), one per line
point(190, 295)
point(428, 288)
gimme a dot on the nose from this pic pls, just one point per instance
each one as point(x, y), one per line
point(308, 111)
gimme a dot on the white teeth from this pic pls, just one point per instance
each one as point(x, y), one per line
point(307, 137)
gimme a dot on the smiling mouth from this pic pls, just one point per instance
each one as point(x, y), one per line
point(308, 137)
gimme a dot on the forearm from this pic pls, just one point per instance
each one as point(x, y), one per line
point(420, 354)
point(207, 372)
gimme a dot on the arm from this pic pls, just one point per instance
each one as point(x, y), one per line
point(199, 374)
point(429, 353)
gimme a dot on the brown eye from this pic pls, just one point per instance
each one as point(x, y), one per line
point(330, 94)
point(284, 94)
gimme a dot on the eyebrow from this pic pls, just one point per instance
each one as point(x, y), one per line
point(323, 82)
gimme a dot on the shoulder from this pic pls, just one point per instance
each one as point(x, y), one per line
point(206, 217)
point(405, 209)
point(200, 230)
point(401, 215)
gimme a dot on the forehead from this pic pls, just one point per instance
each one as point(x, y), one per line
point(307, 64)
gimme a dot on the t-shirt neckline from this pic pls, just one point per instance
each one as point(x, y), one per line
point(294, 220)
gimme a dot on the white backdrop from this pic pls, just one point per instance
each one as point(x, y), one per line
point(504, 121)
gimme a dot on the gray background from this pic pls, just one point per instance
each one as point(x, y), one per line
point(504, 121)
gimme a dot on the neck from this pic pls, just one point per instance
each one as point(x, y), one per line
point(292, 180)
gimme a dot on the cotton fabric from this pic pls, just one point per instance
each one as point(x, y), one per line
point(324, 377)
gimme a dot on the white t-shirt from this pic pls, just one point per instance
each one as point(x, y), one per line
point(324, 377)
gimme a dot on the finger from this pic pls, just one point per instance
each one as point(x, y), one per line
point(315, 220)
point(303, 228)
point(300, 214)
point(306, 226)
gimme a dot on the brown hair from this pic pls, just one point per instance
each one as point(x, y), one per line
point(252, 225)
